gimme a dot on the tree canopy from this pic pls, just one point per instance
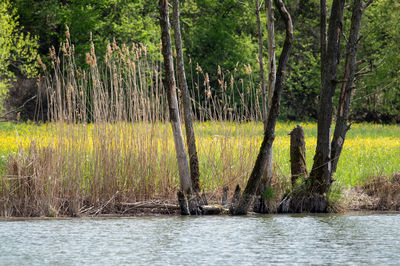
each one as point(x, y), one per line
point(216, 34)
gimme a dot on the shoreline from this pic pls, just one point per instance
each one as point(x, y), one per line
point(163, 215)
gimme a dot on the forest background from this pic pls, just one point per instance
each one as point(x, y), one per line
point(216, 35)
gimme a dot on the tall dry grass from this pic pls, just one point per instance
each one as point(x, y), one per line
point(110, 142)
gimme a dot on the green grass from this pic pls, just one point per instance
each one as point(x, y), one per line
point(230, 149)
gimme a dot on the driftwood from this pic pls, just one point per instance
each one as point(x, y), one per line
point(214, 210)
point(150, 205)
point(205, 210)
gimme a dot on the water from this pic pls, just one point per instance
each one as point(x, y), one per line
point(212, 240)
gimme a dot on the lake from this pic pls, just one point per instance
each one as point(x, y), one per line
point(208, 240)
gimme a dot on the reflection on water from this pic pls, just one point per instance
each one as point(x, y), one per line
point(216, 240)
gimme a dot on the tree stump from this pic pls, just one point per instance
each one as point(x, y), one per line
point(298, 163)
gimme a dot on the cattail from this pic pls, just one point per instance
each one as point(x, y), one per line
point(92, 51)
point(144, 49)
point(41, 63)
point(89, 59)
point(109, 50)
point(219, 70)
point(208, 93)
point(248, 69)
point(67, 34)
point(125, 48)
point(52, 52)
point(206, 80)
point(199, 69)
point(64, 49)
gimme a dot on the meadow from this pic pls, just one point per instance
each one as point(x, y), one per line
point(60, 168)
point(110, 141)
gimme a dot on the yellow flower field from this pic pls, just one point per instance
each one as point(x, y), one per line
point(227, 150)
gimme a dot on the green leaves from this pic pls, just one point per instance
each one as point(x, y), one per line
point(18, 51)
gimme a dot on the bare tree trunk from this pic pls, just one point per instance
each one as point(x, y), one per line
point(187, 105)
point(271, 75)
point(246, 198)
point(170, 85)
point(321, 173)
point(342, 126)
point(260, 205)
point(298, 164)
point(261, 63)
point(271, 51)
point(323, 13)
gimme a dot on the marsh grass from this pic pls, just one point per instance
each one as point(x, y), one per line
point(78, 168)
point(108, 140)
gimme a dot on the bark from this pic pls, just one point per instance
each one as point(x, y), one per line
point(183, 203)
point(271, 51)
point(170, 85)
point(271, 75)
point(260, 205)
point(342, 126)
point(269, 134)
point(235, 199)
point(321, 173)
point(323, 17)
point(261, 63)
point(298, 163)
point(187, 106)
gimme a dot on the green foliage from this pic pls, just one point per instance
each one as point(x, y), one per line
point(303, 81)
point(224, 33)
point(18, 51)
point(126, 21)
point(377, 95)
point(269, 193)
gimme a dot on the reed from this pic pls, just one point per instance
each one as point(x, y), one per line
point(108, 140)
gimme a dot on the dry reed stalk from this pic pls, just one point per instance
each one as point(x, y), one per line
point(110, 143)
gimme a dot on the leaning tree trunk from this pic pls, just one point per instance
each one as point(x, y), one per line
point(260, 204)
point(169, 83)
point(342, 126)
point(321, 173)
point(187, 106)
point(243, 204)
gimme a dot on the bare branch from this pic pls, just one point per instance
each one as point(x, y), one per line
point(367, 4)
point(16, 109)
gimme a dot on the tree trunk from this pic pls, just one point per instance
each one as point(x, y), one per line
point(321, 173)
point(261, 63)
point(169, 83)
point(323, 13)
point(271, 76)
point(342, 126)
point(298, 162)
point(269, 134)
point(260, 205)
point(187, 105)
